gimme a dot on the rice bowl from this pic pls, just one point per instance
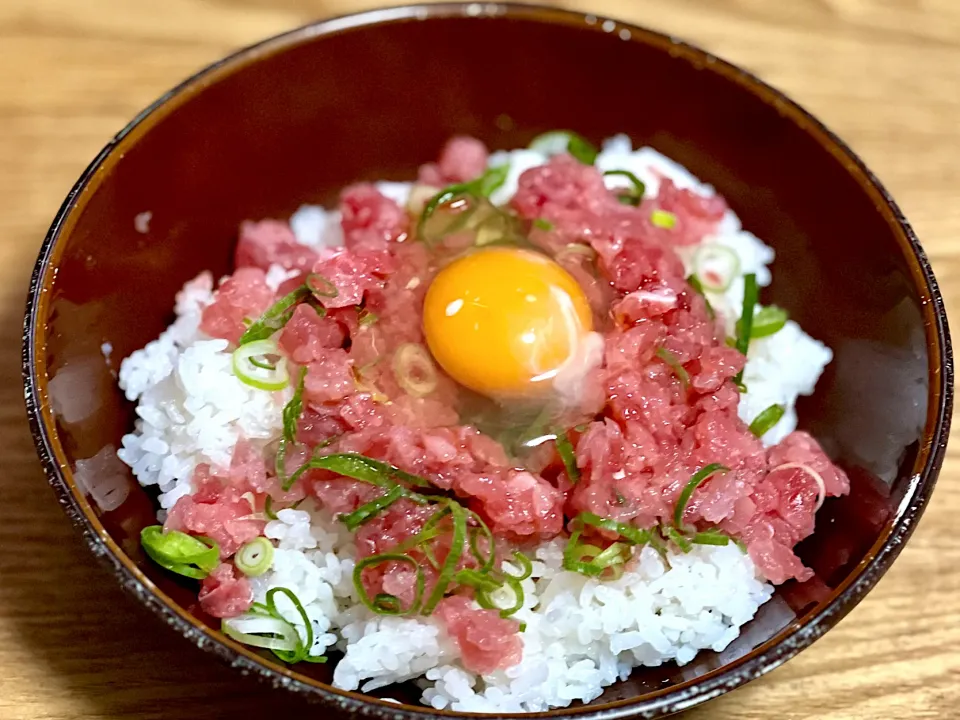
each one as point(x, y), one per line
point(72, 353)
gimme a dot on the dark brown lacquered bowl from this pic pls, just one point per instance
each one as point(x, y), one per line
point(294, 119)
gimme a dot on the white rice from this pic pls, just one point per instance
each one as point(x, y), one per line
point(581, 635)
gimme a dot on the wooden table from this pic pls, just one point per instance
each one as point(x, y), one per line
point(884, 74)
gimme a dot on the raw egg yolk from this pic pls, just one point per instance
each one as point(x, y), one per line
point(502, 321)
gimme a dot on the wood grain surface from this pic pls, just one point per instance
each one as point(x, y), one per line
point(884, 74)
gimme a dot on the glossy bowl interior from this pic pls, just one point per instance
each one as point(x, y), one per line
point(293, 120)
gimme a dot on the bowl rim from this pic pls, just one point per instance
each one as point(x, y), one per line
point(787, 643)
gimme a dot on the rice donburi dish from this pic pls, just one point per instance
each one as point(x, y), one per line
point(507, 431)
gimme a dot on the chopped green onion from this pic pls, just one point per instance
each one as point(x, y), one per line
point(477, 580)
point(694, 282)
point(294, 408)
point(194, 557)
point(361, 467)
point(320, 287)
point(745, 327)
point(358, 467)
point(303, 647)
point(523, 627)
point(629, 532)
point(254, 558)
point(291, 413)
point(369, 510)
point(710, 537)
point(543, 224)
point(458, 520)
point(698, 478)
point(491, 181)
point(421, 538)
point(431, 526)
point(674, 362)
point(441, 198)
point(677, 538)
point(486, 563)
point(526, 567)
point(663, 219)
point(767, 321)
point(483, 186)
point(262, 365)
point(582, 150)
point(260, 629)
point(275, 317)
point(384, 603)
point(558, 141)
point(636, 195)
point(715, 266)
point(254, 375)
point(268, 509)
point(592, 560)
point(656, 542)
point(367, 318)
point(487, 602)
point(766, 420)
point(553, 142)
point(414, 370)
point(568, 456)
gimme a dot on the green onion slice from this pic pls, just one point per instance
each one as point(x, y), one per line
point(715, 266)
point(254, 558)
point(677, 538)
point(710, 537)
point(698, 478)
point(358, 467)
point(766, 420)
point(491, 181)
point(663, 219)
point(629, 532)
point(745, 327)
point(485, 598)
point(458, 518)
point(193, 557)
point(636, 195)
point(274, 317)
point(477, 580)
point(558, 141)
point(592, 560)
point(526, 567)
point(694, 282)
point(767, 321)
point(566, 452)
point(293, 409)
point(320, 287)
point(264, 626)
point(414, 370)
point(674, 362)
point(303, 648)
point(482, 187)
point(367, 318)
point(260, 629)
point(582, 150)
point(384, 603)
point(365, 512)
point(474, 531)
point(260, 375)
point(543, 224)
